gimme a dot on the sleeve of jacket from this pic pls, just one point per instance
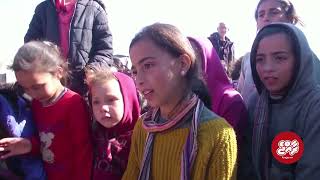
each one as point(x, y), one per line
point(136, 152)
point(223, 161)
point(308, 166)
point(245, 165)
point(35, 30)
point(235, 112)
point(102, 50)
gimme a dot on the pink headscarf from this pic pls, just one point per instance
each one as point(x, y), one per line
point(225, 100)
point(113, 144)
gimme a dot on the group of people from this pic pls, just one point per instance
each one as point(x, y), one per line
point(90, 125)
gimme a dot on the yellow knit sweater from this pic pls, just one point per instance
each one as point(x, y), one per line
point(216, 157)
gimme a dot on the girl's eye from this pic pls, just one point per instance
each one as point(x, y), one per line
point(37, 87)
point(261, 15)
point(111, 100)
point(259, 59)
point(95, 102)
point(147, 66)
point(275, 12)
point(280, 58)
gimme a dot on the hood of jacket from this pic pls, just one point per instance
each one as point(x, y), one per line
point(304, 79)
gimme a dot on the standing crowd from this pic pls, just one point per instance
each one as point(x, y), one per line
point(186, 109)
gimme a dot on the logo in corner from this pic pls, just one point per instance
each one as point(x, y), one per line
point(287, 147)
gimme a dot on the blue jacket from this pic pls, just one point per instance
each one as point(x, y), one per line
point(16, 119)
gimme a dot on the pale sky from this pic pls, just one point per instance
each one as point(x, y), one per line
point(193, 17)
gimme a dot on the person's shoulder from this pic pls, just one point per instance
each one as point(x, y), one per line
point(215, 125)
point(231, 95)
point(214, 35)
point(139, 123)
point(312, 101)
point(73, 98)
point(207, 115)
point(216, 131)
point(231, 98)
point(94, 4)
point(44, 4)
point(99, 3)
point(139, 132)
point(209, 120)
point(70, 93)
point(44, 7)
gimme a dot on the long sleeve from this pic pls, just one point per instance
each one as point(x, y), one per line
point(102, 50)
point(308, 166)
point(81, 140)
point(35, 142)
point(222, 164)
point(236, 114)
point(245, 166)
point(35, 31)
point(133, 167)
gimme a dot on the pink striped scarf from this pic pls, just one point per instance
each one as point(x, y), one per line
point(151, 124)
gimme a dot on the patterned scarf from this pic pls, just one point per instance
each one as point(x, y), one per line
point(260, 135)
point(151, 124)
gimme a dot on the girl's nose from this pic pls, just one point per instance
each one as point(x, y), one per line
point(105, 108)
point(139, 80)
point(268, 66)
point(266, 18)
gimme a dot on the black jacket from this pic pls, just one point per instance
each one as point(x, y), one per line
point(225, 49)
point(90, 38)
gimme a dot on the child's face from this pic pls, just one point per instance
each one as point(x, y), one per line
point(42, 86)
point(156, 73)
point(107, 103)
point(269, 12)
point(275, 63)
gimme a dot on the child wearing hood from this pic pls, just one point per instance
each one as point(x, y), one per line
point(116, 109)
point(16, 121)
point(225, 100)
point(288, 100)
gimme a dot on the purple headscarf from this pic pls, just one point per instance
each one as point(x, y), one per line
point(225, 100)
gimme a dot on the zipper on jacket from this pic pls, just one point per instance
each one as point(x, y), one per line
point(69, 38)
